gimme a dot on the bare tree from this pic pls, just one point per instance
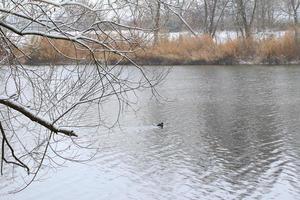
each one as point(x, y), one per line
point(214, 11)
point(178, 9)
point(40, 106)
point(266, 14)
point(157, 21)
point(292, 8)
point(245, 13)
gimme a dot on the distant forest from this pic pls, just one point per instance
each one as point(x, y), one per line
point(210, 16)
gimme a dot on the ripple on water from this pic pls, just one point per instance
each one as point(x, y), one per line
point(231, 133)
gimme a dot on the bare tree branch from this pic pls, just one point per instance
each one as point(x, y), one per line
point(35, 118)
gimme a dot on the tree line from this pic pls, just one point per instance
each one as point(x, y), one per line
point(210, 16)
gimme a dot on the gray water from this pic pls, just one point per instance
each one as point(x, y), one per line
point(230, 133)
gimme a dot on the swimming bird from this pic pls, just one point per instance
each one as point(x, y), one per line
point(161, 125)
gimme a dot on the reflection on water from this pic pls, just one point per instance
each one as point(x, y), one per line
point(230, 133)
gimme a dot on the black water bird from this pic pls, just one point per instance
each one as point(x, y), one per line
point(161, 125)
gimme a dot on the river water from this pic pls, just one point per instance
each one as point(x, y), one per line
point(230, 133)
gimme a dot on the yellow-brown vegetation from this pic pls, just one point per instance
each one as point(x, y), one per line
point(204, 50)
point(184, 50)
point(279, 50)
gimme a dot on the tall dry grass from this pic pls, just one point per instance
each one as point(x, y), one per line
point(279, 50)
point(43, 50)
point(199, 50)
point(184, 50)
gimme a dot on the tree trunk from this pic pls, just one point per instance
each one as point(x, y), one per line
point(157, 23)
point(296, 27)
point(205, 17)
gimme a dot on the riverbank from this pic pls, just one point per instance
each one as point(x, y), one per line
point(184, 50)
point(204, 50)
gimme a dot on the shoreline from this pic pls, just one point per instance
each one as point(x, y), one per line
point(202, 50)
point(241, 63)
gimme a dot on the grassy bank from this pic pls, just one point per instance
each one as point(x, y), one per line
point(182, 51)
point(203, 50)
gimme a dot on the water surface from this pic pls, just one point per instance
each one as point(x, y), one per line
point(230, 133)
